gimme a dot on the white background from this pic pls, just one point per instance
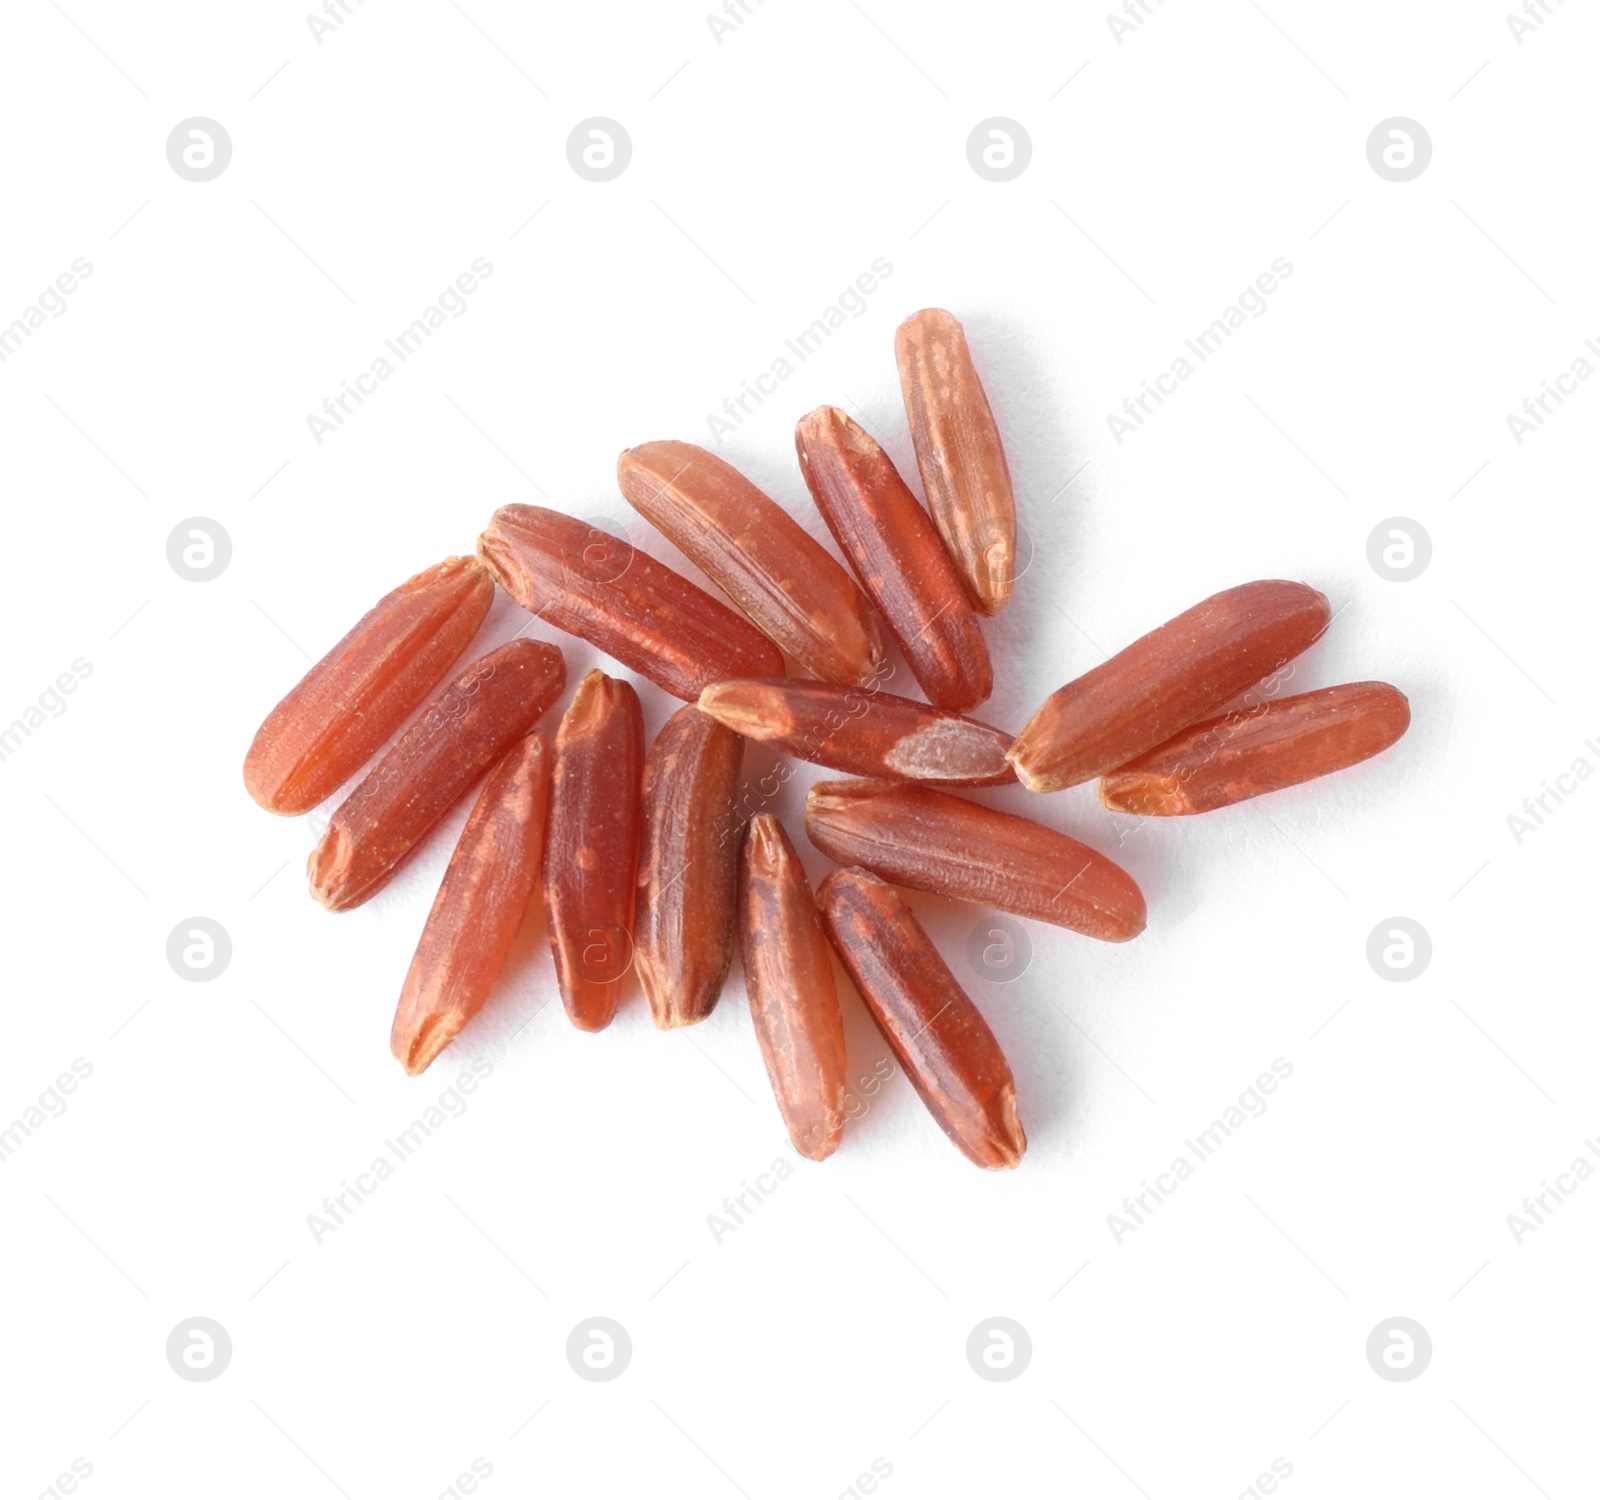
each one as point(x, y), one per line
point(768, 171)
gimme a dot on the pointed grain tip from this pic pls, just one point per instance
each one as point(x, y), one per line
point(433, 1033)
point(1016, 757)
point(747, 708)
point(995, 567)
point(326, 866)
point(1110, 799)
point(830, 1144)
point(1011, 1141)
point(766, 838)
